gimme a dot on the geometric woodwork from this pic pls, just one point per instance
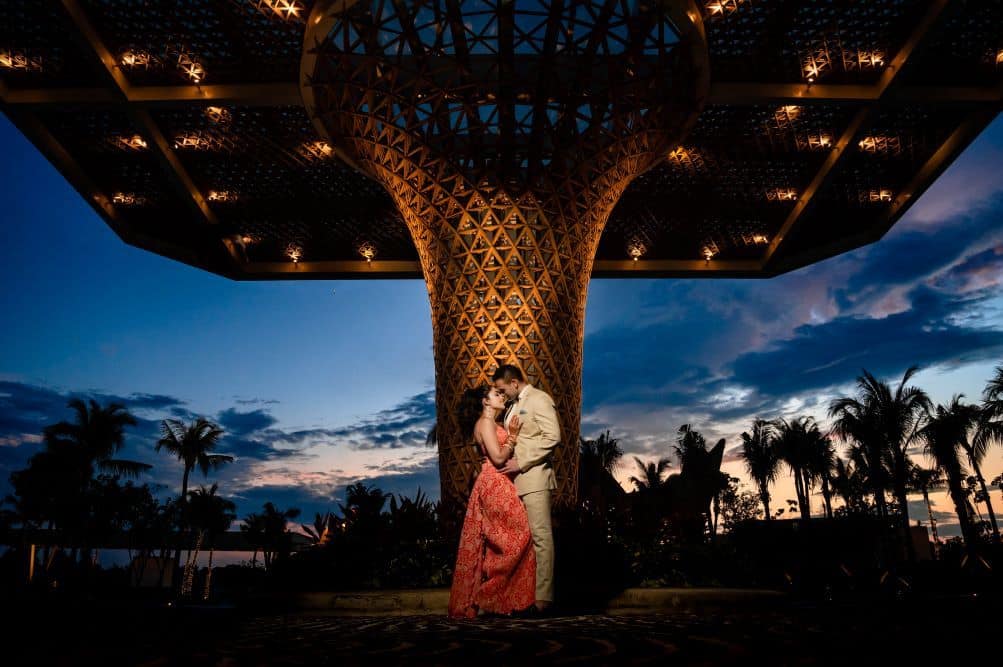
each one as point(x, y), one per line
point(505, 133)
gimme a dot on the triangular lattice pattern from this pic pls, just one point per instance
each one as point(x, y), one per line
point(505, 132)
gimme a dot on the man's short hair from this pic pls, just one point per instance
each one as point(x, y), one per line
point(507, 373)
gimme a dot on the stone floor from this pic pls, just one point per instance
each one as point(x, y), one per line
point(862, 633)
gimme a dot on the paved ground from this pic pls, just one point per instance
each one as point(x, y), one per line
point(861, 633)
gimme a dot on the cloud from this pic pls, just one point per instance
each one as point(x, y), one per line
point(405, 425)
point(242, 423)
point(825, 355)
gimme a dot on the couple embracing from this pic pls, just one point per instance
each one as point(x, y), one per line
point(505, 562)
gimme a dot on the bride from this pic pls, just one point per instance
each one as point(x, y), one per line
point(495, 565)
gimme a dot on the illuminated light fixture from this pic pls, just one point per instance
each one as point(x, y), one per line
point(191, 141)
point(786, 115)
point(368, 251)
point(687, 158)
point(863, 60)
point(999, 57)
point(880, 144)
point(636, 250)
point(127, 199)
point(222, 196)
point(19, 60)
point(294, 252)
point(218, 115)
point(316, 150)
point(136, 59)
point(879, 196)
point(679, 155)
point(817, 63)
point(760, 239)
point(284, 9)
point(782, 194)
point(133, 143)
point(815, 141)
point(191, 67)
point(722, 7)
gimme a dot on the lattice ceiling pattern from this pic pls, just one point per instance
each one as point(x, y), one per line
point(902, 86)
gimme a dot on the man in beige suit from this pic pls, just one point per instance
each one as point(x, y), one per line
point(531, 464)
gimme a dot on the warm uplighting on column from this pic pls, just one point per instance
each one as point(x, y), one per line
point(999, 58)
point(636, 250)
point(191, 67)
point(781, 194)
point(218, 115)
point(368, 251)
point(285, 9)
point(294, 252)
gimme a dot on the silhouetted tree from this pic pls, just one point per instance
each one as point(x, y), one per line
point(762, 460)
point(942, 437)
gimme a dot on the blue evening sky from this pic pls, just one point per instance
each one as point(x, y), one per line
point(323, 383)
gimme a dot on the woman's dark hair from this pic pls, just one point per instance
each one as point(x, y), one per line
point(471, 407)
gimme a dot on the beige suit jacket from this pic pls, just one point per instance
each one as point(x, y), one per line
point(537, 439)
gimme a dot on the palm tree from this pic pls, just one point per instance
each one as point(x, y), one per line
point(849, 481)
point(210, 515)
point(762, 461)
point(598, 459)
point(943, 435)
point(275, 534)
point(192, 444)
point(320, 532)
point(795, 442)
point(989, 432)
point(254, 529)
point(97, 434)
point(650, 478)
point(821, 466)
point(924, 480)
point(890, 421)
point(363, 505)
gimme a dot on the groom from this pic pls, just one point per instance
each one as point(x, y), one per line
point(531, 464)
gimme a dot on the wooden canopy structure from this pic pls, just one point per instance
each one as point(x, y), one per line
point(444, 140)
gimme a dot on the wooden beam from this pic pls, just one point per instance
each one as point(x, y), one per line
point(723, 92)
point(324, 270)
point(252, 94)
point(662, 268)
point(288, 94)
point(844, 144)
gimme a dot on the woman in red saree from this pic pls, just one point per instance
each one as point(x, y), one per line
point(496, 565)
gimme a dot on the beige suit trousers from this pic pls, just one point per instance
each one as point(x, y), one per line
point(538, 510)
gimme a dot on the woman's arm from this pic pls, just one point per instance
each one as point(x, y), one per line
point(498, 452)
